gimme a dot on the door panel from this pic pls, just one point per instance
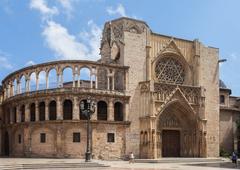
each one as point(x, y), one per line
point(170, 143)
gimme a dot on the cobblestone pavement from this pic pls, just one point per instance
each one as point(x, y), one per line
point(75, 164)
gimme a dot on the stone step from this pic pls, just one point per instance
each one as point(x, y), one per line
point(52, 166)
point(179, 160)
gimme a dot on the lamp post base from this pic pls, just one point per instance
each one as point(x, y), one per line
point(87, 156)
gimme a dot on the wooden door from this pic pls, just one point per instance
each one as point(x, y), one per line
point(170, 143)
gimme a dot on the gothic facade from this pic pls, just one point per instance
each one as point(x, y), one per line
point(157, 96)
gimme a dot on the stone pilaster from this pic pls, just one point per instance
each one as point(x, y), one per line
point(110, 111)
point(76, 113)
point(46, 110)
point(126, 112)
point(36, 111)
point(27, 113)
point(59, 109)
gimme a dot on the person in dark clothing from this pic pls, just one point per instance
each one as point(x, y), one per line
point(234, 158)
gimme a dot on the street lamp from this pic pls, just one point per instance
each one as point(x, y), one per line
point(88, 110)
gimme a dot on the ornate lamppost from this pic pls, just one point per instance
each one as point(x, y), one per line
point(88, 108)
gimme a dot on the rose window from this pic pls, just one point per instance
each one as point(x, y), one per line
point(169, 70)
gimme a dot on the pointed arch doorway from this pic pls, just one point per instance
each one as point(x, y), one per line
point(177, 128)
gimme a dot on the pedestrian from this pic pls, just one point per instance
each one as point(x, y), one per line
point(234, 158)
point(131, 157)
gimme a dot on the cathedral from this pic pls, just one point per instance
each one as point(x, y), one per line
point(156, 96)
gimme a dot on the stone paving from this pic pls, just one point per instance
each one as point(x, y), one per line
point(75, 164)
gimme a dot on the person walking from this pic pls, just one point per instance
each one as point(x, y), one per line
point(234, 158)
point(131, 157)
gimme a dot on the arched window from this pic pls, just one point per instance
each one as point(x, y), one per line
point(82, 116)
point(118, 111)
point(67, 77)
point(67, 110)
point(32, 112)
point(52, 78)
point(15, 87)
point(42, 80)
point(22, 84)
point(222, 99)
point(22, 110)
point(32, 82)
point(85, 77)
point(42, 111)
point(52, 110)
point(102, 110)
point(169, 70)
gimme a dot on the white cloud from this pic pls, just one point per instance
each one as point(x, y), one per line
point(30, 63)
point(67, 46)
point(4, 63)
point(42, 7)
point(67, 5)
point(119, 10)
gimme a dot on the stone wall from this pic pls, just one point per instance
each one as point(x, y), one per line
point(226, 133)
point(135, 57)
point(209, 79)
point(59, 140)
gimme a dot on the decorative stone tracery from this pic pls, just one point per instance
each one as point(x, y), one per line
point(169, 70)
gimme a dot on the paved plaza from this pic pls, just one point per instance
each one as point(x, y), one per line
point(60, 164)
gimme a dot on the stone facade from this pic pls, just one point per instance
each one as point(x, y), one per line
point(150, 90)
point(229, 116)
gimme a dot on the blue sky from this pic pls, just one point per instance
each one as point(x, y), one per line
point(35, 31)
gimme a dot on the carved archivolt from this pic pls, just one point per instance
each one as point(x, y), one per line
point(169, 120)
point(169, 70)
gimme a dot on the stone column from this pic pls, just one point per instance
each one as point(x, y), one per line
point(76, 113)
point(73, 78)
point(110, 111)
point(91, 83)
point(78, 79)
point(37, 82)
point(61, 83)
point(27, 85)
point(59, 109)
point(46, 110)
point(126, 111)
point(96, 81)
point(27, 112)
point(108, 82)
point(18, 87)
point(36, 111)
point(12, 89)
point(113, 84)
point(47, 85)
point(58, 79)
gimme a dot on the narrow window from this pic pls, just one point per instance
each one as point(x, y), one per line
point(222, 99)
point(110, 137)
point(42, 138)
point(76, 137)
point(19, 139)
